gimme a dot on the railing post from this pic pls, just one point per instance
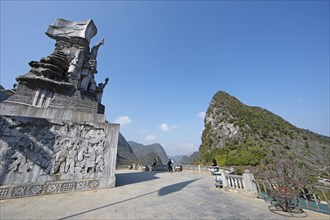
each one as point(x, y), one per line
point(249, 183)
point(224, 179)
point(240, 184)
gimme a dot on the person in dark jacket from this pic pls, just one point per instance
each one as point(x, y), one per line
point(154, 165)
point(169, 165)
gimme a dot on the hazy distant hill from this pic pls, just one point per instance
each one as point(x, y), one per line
point(125, 153)
point(178, 159)
point(185, 159)
point(146, 154)
point(237, 134)
point(194, 158)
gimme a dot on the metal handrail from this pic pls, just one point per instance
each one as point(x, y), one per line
point(315, 203)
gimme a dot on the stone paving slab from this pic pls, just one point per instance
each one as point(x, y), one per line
point(146, 195)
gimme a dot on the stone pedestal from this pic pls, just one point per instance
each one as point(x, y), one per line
point(53, 134)
point(249, 184)
point(43, 156)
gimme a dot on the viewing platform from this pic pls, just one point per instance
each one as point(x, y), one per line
point(147, 195)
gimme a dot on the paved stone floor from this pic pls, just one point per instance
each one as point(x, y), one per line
point(146, 195)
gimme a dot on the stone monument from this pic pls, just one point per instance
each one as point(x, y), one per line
point(53, 133)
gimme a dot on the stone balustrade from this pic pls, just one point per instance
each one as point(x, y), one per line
point(241, 184)
point(234, 181)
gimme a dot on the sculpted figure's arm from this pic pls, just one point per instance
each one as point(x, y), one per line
point(106, 82)
point(101, 42)
point(95, 48)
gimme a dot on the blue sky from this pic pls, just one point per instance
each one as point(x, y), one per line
point(166, 59)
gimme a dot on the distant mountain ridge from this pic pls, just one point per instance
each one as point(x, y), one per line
point(125, 154)
point(185, 159)
point(237, 134)
point(130, 152)
point(147, 153)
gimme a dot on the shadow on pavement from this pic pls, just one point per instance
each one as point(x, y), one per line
point(145, 176)
point(136, 177)
point(174, 187)
point(105, 206)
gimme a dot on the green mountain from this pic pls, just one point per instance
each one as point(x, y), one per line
point(239, 135)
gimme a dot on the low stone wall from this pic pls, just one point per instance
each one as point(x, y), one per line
point(185, 168)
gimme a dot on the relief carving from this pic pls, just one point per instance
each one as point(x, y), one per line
point(59, 149)
point(4, 192)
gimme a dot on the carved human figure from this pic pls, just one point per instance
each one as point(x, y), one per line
point(74, 130)
point(90, 165)
point(91, 134)
point(99, 156)
point(83, 151)
point(90, 68)
point(70, 160)
point(5, 160)
point(60, 157)
point(76, 63)
point(18, 163)
point(100, 134)
point(63, 129)
point(93, 55)
point(3, 150)
point(88, 82)
point(95, 49)
point(82, 131)
point(82, 156)
point(99, 90)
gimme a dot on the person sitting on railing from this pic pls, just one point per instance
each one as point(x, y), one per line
point(214, 162)
point(304, 194)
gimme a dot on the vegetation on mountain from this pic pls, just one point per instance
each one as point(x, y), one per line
point(239, 135)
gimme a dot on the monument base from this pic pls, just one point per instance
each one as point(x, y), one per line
point(53, 187)
point(53, 156)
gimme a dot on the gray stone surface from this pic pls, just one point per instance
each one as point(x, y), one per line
point(53, 134)
point(65, 78)
point(40, 156)
point(146, 195)
point(62, 28)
